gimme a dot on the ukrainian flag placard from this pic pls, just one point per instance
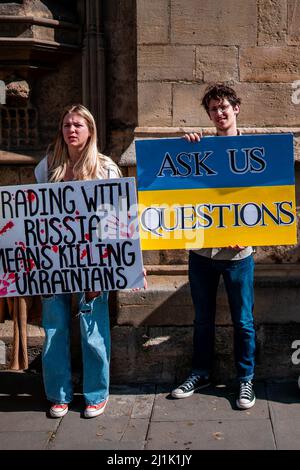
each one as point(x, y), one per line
point(218, 192)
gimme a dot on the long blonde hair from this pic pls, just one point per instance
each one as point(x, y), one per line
point(91, 165)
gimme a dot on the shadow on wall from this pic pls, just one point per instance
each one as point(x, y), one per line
point(152, 340)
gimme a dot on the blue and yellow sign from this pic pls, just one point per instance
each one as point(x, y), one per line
point(218, 192)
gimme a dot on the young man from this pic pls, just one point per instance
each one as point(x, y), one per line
point(236, 265)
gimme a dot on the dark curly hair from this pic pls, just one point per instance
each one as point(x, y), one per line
point(219, 91)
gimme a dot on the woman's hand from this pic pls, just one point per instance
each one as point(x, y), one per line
point(145, 278)
point(145, 281)
point(91, 295)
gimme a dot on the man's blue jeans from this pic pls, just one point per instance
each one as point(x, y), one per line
point(95, 345)
point(204, 276)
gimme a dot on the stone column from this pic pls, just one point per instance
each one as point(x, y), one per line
point(93, 65)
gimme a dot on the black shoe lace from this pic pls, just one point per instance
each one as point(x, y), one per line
point(191, 381)
point(246, 390)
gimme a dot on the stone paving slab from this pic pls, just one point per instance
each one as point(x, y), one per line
point(143, 406)
point(212, 435)
point(26, 421)
point(140, 417)
point(284, 403)
point(23, 407)
point(102, 432)
point(284, 400)
point(287, 434)
point(207, 404)
point(124, 424)
point(136, 402)
point(20, 440)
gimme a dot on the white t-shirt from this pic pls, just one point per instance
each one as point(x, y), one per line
point(41, 171)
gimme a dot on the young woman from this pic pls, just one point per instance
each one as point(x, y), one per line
point(75, 156)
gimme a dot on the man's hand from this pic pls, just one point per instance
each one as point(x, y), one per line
point(145, 278)
point(192, 137)
point(236, 247)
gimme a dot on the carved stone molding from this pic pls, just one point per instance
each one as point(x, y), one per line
point(33, 36)
point(93, 65)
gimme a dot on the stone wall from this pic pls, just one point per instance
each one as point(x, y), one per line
point(160, 56)
point(182, 46)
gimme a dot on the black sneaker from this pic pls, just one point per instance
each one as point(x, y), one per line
point(192, 383)
point(246, 397)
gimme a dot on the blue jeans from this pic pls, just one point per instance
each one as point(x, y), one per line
point(204, 276)
point(95, 345)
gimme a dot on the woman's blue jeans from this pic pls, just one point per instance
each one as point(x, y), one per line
point(95, 345)
point(204, 276)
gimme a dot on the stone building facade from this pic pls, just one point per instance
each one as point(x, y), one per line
point(142, 68)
